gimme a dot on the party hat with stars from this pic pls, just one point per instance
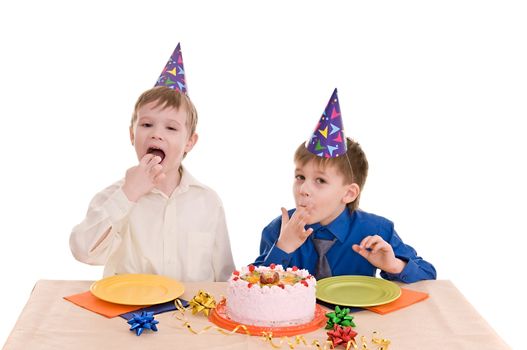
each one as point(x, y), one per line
point(328, 139)
point(173, 75)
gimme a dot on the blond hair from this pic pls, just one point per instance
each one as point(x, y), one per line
point(353, 165)
point(168, 98)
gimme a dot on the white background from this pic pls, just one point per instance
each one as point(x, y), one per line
point(434, 92)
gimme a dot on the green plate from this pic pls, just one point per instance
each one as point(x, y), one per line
point(360, 291)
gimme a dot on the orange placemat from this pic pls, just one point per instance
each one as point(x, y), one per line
point(88, 301)
point(407, 298)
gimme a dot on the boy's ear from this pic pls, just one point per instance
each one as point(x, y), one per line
point(352, 192)
point(191, 142)
point(132, 135)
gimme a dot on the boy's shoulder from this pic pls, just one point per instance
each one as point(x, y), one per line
point(196, 186)
point(109, 190)
point(367, 219)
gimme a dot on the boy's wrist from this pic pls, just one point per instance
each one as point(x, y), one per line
point(130, 194)
point(287, 248)
point(397, 267)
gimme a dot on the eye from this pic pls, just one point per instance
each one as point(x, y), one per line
point(146, 125)
point(171, 128)
point(320, 180)
point(300, 177)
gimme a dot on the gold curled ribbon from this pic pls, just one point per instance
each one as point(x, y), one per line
point(382, 342)
point(202, 301)
point(292, 343)
point(186, 324)
point(220, 330)
point(268, 337)
point(180, 308)
point(299, 339)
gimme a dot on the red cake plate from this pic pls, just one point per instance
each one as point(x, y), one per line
point(219, 317)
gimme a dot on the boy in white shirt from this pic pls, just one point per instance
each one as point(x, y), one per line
point(158, 219)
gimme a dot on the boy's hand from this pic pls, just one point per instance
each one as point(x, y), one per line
point(380, 254)
point(293, 233)
point(140, 179)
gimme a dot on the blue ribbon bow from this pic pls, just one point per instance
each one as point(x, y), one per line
point(141, 322)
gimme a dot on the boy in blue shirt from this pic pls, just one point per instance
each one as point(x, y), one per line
point(327, 233)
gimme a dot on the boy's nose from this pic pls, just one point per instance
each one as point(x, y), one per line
point(156, 135)
point(304, 190)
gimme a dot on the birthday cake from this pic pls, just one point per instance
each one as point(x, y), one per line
point(271, 296)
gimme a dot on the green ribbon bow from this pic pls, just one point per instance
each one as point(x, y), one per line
point(340, 317)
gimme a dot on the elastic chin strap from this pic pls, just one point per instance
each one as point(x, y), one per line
point(351, 168)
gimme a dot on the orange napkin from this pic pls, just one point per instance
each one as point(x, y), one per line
point(408, 297)
point(88, 301)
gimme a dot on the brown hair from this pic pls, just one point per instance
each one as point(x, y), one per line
point(354, 158)
point(167, 98)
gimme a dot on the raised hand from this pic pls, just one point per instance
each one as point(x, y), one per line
point(140, 179)
point(380, 254)
point(293, 233)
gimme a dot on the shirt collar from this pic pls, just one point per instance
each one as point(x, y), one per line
point(187, 181)
point(338, 227)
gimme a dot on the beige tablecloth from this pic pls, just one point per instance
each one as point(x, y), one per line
point(446, 320)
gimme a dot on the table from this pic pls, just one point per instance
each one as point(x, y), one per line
point(445, 320)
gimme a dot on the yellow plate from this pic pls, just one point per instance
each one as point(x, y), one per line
point(137, 289)
point(360, 291)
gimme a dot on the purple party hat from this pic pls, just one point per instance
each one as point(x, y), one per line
point(328, 139)
point(173, 75)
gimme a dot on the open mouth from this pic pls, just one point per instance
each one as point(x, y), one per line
point(156, 152)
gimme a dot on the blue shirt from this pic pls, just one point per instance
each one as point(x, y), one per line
point(348, 229)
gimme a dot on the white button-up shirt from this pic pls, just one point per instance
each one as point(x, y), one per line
point(183, 236)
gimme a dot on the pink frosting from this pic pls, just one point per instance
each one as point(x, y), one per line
point(271, 306)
